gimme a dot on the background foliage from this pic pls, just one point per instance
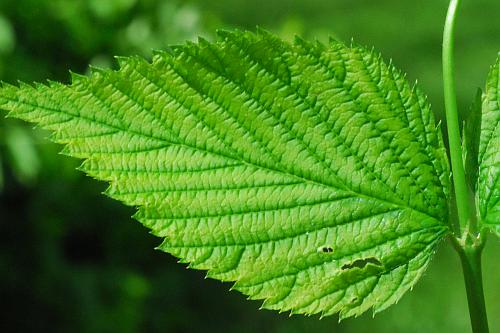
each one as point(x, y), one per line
point(73, 260)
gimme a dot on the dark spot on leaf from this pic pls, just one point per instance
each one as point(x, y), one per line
point(361, 263)
point(327, 249)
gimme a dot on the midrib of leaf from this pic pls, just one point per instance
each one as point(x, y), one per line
point(255, 211)
point(299, 177)
point(274, 236)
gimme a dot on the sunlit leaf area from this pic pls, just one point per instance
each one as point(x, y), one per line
point(72, 260)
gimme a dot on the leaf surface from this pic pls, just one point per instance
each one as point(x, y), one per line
point(313, 176)
point(489, 153)
point(471, 134)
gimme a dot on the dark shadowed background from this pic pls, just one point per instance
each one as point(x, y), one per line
point(72, 260)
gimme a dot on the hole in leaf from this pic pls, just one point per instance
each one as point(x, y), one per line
point(326, 249)
point(361, 263)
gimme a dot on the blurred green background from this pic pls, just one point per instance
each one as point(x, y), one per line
point(72, 260)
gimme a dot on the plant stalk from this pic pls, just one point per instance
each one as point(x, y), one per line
point(467, 240)
point(471, 265)
point(450, 98)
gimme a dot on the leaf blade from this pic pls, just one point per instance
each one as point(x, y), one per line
point(280, 166)
point(489, 153)
point(471, 133)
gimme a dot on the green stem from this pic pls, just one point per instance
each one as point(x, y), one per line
point(471, 265)
point(450, 97)
point(467, 240)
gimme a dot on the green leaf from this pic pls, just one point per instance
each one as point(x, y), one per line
point(471, 134)
point(313, 176)
point(489, 153)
